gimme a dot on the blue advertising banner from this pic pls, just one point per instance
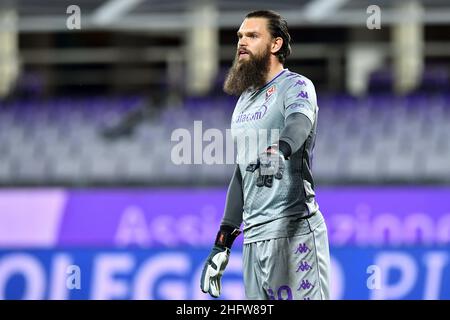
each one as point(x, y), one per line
point(357, 273)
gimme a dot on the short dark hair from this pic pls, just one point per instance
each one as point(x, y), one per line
point(278, 28)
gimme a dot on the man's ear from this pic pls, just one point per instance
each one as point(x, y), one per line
point(276, 45)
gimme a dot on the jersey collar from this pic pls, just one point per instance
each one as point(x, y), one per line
point(271, 81)
point(253, 92)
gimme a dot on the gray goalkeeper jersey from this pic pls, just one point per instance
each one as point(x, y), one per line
point(257, 121)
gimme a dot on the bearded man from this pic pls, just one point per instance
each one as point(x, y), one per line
point(286, 251)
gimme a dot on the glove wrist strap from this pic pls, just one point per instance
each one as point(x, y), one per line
point(282, 148)
point(226, 236)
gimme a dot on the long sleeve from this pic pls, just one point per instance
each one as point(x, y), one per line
point(235, 201)
point(296, 131)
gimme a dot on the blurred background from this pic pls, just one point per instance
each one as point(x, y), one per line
point(92, 205)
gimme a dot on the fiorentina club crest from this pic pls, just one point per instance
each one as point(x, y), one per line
point(270, 91)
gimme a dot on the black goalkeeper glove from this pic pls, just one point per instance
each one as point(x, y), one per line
point(217, 260)
point(270, 163)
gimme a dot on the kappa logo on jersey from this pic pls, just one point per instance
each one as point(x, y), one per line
point(300, 83)
point(303, 94)
point(270, 92)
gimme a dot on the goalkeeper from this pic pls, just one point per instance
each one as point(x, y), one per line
point(285, 254)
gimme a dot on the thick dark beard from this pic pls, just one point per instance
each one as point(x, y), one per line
point(247, 74)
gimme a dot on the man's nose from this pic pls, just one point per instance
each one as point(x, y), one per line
point(242, 42)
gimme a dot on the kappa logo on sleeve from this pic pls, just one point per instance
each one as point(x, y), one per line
point(303, 94)
point(300, 83)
